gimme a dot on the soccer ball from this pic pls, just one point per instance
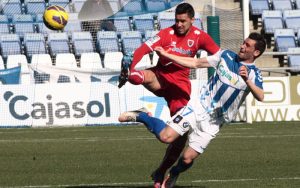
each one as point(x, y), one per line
point(55, 17)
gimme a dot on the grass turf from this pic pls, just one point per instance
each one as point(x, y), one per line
point(242, 155)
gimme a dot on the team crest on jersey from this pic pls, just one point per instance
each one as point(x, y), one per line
point(152, 40)
point(190, 42)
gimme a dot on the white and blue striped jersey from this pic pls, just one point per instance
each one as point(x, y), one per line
point(226, 90)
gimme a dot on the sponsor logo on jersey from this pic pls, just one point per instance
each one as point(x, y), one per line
point(182, 51)
point(152, 40)
point(177, 119)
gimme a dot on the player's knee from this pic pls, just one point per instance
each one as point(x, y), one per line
point(136, 77)
point(166, 138)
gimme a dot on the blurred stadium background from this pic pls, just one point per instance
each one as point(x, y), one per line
point(67, 80)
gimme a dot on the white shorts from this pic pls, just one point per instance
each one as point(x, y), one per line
point(201, 126)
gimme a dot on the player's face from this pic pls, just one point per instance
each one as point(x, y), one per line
point(247, 51)
point(183, 23)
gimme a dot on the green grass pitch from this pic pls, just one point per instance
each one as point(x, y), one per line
point(242, 155)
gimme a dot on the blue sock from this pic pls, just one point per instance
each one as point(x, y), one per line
point(153, 124)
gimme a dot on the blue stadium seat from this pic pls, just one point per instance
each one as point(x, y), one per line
point(133, 7)
point(35, 6)
point(150, 34)
point(34, 44)
point(73, 25)
point(165, 19)
point(107, 41)
point(256, 8)
point(131, 40)
point(58, 43)
point(122, 24)
point(294, 59)
point(10, 45)
point(298, 36)
point(63, 3)
point(23, 23)
point(11, 7)
point(271, 20)
point(174, 2)
point(156, 5)
point(4, 25)
point(282, 4)
point(82, 42)
point(284, 39)
point(292, 19)
point(143, 22)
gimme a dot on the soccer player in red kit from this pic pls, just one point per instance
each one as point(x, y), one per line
point(167, 79)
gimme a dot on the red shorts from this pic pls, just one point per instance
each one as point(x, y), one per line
point(176, 90)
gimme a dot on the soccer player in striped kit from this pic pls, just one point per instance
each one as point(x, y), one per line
point(218, 101)
point(167, 79)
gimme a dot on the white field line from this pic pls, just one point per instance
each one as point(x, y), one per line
point(126, 184)
point(98, 139)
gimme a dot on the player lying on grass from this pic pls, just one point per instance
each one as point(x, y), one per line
point(218, 101)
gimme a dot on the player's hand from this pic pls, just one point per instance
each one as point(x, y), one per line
point(244, 72)
point(160, 51)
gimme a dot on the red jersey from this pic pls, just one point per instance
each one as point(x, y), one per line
point(173, 77)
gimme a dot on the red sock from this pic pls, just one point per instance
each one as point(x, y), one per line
point(136, 77)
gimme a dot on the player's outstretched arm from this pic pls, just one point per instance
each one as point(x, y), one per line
point(184, 61)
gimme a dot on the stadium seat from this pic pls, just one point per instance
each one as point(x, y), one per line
point(107, 41)
point(282, 4)
point(271, 20)
point(90, 61)
point(112, 61)
point(34, 44)
point(133, 7)
point(10, 44)
point(38, 60)
point(58, 43)
point(23, 23)
point(165, 19)
point(73, 25)
point(143, 22)
point(1, 63)
point(258, 6)
point(131, 40)
point(82, 42)
point(122, 24)
point(150, 34)
point(20, 60)
point(35, 6)
point(292, 19)
point(4, 24)
point(294, 59)
point(298, 37)
point(284, 39)
point(156, 5)
point(65, 60)
point(174, 2)
point(63, 3)
point(11, 7)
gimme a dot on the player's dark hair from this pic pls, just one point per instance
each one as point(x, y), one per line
point(260, 42)
point(185, 8)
